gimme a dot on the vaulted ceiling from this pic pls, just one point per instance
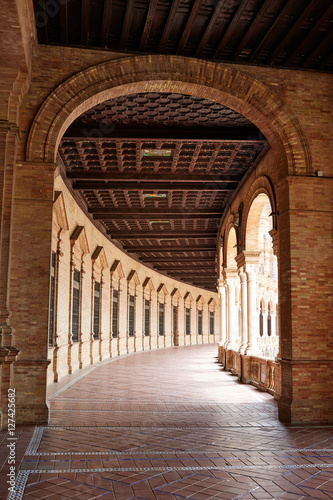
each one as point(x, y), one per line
point(163, 209)
point(155, 171)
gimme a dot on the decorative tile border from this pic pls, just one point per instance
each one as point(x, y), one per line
point(20, 484)
point(35, 441)
point(186, 401)
point(158, 412)
point(180, 452)
point(165, 469)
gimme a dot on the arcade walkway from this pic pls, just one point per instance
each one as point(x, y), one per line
point(169, 425)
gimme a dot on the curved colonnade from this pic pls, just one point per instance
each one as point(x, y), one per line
point(104, 304)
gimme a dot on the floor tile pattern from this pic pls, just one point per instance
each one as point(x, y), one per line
point(171, 425)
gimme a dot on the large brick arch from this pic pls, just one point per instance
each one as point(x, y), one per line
point(217, 82)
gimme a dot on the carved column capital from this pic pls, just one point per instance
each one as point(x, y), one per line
point(274, 234)
point(8, 354)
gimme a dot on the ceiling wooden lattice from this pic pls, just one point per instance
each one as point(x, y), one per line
point(278, 33)
point(163, 209)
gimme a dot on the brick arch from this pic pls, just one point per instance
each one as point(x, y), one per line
point(262, 185)
point(208, 80)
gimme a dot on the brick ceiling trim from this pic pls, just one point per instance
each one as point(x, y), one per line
point(218, 82)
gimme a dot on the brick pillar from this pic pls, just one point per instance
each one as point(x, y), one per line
point(305, 292)
point(9, 134)
point(30, 282)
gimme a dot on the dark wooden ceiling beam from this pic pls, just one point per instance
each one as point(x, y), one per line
point(189, 24)
point(208, 31)
point(175, 259)
point(324, 47)
point(41, 19)
point(199, 280)
point(135, 176)
point(106, 22)
point(168, 25)
point(109, 134)
point(232, 26)
point(183, 267)
point(306, 45)
point(127, 23)
point(180, 249)
point(194, 270)
point(85, 20)
point(165, 211)
point(287, 39)
point(153, 186)
point(64, 22)
point(252, 29)
point(158, 235)
point(327, 61)
point(153, 216)
point(285, 8)
point(148, 24)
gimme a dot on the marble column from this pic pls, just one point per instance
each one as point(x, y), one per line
point(230, 276)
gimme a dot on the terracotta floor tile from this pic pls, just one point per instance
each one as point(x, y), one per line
point(170, 415)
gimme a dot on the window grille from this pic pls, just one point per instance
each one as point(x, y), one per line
point(199, 322)
point(52, 299)
point(131, 316)
point(76, 306)
point(147, 318)
point(175, 319)
point(187, 321)
point(115, 313)
point(161, 319)
point(96, 310)
point(211, 322)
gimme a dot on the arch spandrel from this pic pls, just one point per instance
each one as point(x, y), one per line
point(208, 80)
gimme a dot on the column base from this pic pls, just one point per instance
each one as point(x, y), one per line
point(29, 382)
point(32, 414)
point(307, 388)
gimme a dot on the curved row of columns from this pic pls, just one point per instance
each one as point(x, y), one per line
point(240, 333)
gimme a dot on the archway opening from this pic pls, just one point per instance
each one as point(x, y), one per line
point(258, 239)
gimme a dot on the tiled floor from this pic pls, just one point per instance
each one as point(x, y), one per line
point(171, 425)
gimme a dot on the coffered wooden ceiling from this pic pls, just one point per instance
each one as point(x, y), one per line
point(165, 210)
point(280, 33)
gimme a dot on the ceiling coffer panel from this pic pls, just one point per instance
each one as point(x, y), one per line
point(155, 172)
